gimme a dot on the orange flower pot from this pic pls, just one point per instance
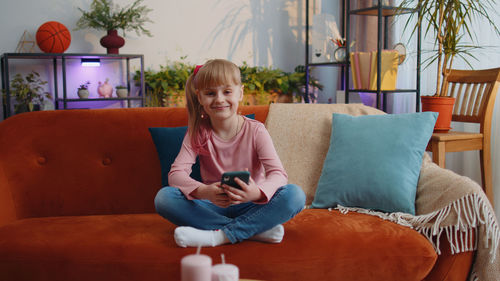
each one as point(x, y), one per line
point(443, 106)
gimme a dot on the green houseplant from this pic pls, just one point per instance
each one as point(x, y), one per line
point(104, 15)
point(28, 92)
point(451, 23)
point(166, 86)
point(263, 85)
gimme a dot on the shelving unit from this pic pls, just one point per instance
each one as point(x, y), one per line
point(382, 13)
point(61, 60)
point(309, 64)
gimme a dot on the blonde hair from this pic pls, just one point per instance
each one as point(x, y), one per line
point(213, 73)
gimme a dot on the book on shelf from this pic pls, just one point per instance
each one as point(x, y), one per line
point(364, 70)
point(365, 60)
point(355, 71)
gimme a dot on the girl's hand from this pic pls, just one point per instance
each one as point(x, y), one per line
point(248, 192)
point(214, 193)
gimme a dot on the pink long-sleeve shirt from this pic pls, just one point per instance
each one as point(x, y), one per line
point(252, 149)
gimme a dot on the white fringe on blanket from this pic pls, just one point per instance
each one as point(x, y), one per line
point(470, 211)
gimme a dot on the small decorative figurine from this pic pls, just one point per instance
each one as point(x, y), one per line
point(104, 89)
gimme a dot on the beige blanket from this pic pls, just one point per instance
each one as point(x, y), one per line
point(446, 203)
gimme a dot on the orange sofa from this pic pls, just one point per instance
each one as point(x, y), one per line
point(76, 203)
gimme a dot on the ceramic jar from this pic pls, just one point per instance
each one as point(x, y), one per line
point(122, 92)
point(105, 90)
point(112, 42)
point(83, 93)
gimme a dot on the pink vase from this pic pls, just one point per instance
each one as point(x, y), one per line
point(104, 89)
point(112, 42)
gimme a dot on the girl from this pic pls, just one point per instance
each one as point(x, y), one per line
point(209, 213)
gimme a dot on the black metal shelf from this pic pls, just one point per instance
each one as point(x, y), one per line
point(387, 11)
point(381, 12)
point(327, 63)
point(308, 64)
point(99, 99)
point(69, 56)
point(60, 59)
point(383, 91)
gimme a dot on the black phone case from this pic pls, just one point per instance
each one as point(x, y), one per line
point(228, 178)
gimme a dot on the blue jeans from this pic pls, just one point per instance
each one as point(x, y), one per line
point(239, 222)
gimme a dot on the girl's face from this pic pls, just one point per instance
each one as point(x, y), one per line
point(220, 102)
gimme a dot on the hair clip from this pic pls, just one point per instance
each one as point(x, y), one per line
point(197, 68)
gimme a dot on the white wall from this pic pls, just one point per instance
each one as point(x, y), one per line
point(259, 32)
point(262, 32)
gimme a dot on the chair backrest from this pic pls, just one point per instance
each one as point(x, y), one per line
point(474, 92)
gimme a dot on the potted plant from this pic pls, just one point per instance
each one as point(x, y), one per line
point(292, 85)
point(121, 91)
point(166, 86)
point(257, 81)
point(450, 22)
point(104, 15)
point(28, 92)
point(263, 85)
point(83, 90)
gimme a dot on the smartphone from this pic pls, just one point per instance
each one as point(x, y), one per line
point(228, 178)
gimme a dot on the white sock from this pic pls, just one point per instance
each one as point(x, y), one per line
point(186, 236)
point(273, 235)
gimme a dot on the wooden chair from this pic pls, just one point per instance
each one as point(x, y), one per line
point(474, 92)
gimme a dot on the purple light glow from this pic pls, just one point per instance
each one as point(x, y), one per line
point(77, 74)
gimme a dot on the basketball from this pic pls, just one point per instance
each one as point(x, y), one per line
point(53, 37)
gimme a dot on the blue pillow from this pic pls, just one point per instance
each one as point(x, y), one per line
point(168, 142)
point(374, 161)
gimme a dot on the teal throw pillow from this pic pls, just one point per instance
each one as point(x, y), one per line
point(168, 142)
point(374, 161)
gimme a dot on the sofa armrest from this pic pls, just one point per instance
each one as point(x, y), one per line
point(439, 188)
point(454, 213)
point(7, 209)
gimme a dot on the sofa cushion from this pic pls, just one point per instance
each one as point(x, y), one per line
point(168, 142)
point(374, 161)
point(318, 245)
point(301, 136)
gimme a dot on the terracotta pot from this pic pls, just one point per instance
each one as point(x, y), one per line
point(249, 99)
point(284, 98)
point(443, 106)
point(112, 42)
point(175, 100)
